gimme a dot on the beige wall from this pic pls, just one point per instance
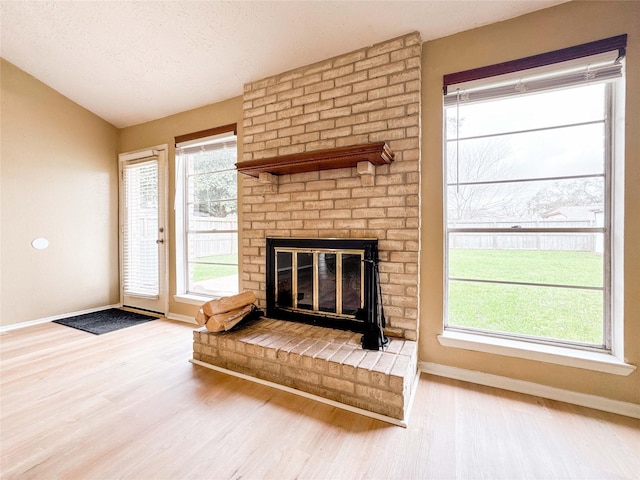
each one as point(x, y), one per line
point(562, 26)
point(163, 131)
point(59, 181)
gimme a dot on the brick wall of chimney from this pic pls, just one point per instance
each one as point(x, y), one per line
point(369, 95)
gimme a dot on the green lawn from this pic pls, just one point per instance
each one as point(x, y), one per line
point(563, 313)
point(222, 269)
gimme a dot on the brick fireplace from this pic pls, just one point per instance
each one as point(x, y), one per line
point(369, 96)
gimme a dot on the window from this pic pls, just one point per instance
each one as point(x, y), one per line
point(531, 181)
point(207, 212)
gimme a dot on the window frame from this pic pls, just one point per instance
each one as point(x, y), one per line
point(183, 228)
point(613, 165)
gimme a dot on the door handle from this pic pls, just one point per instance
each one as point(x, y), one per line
point(159, 241)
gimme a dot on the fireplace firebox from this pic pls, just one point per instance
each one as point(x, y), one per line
point(327, 282)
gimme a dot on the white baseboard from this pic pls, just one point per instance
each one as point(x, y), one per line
point(15, 326)
point(530, 388)
point(181, 318)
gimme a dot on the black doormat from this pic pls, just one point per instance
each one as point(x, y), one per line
point(105, 321)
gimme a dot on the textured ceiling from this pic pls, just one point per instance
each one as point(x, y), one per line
point(130, 61)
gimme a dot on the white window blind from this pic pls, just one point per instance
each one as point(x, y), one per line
point(140, 228)
point(584, 71)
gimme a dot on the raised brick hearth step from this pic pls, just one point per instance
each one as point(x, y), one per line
point(325, 362)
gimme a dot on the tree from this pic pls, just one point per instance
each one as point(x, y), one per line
point(583, 191)
point(214, 183)
point(478, 161)
point(213, 192)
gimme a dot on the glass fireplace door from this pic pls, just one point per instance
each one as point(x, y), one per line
point(326, 282)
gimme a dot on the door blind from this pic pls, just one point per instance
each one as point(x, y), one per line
point(140, 228)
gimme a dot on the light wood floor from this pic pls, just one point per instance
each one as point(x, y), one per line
point(129, 405)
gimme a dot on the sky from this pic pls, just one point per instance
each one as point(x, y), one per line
point(570, 150)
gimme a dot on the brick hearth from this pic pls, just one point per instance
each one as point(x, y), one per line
point(321, 361)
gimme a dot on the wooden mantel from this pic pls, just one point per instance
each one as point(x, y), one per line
point(343, 157)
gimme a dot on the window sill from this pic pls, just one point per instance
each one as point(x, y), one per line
point(191, 299)
point(597, 361)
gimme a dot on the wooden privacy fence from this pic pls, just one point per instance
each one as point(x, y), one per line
point(575, 242)
point(213, 236)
